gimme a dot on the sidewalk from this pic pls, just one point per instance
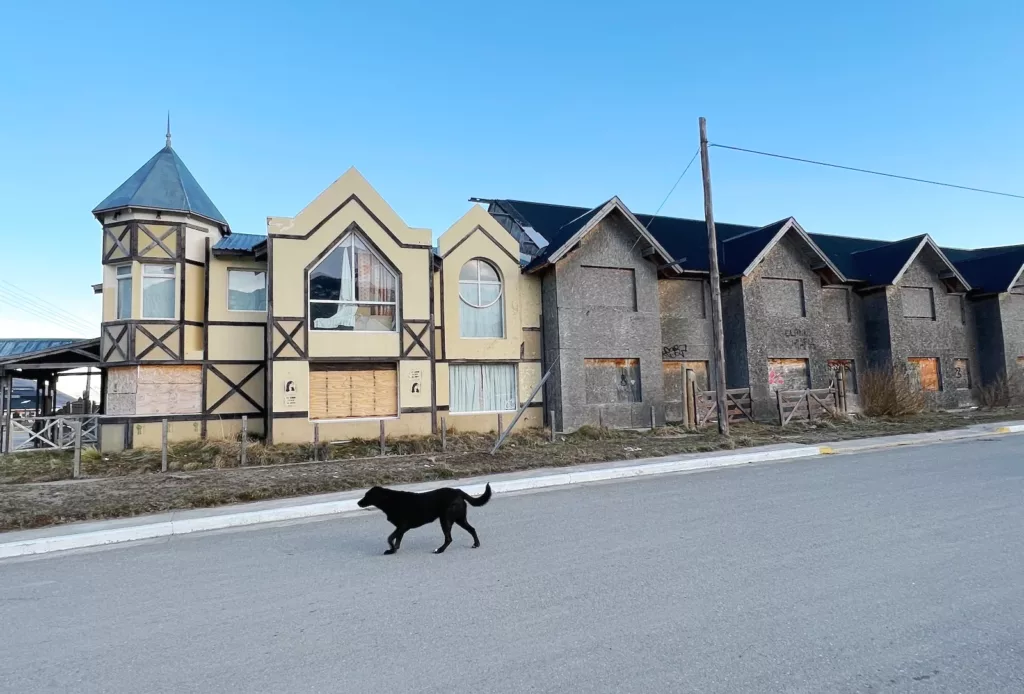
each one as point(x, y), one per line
point(91, 534)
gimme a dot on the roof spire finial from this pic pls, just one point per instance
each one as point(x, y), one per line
point(168, 128)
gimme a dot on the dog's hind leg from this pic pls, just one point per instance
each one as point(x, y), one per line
point(446, 528)
point(464, 524)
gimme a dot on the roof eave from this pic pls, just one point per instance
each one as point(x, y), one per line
point(225, 227)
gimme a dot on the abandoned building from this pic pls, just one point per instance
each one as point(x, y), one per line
point(343, 321)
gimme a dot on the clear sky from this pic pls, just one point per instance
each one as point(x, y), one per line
point(436, 102)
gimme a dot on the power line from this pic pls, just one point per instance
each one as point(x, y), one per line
point(655, 215)
point(869, 171)
point(44, 307)
point(77, 331)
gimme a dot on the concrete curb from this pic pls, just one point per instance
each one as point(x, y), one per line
point(241, 517)
point(79, 536)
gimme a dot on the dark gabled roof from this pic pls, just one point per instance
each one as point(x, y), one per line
point(739, 251)
point(163, 183)
point(685, 240)
point(841, 249)
point(989, 270)
point(883, 264)
point(15, 347)
point(238, 244)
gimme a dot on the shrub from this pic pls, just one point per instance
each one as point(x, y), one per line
point(890, 393)
point(1006, 391)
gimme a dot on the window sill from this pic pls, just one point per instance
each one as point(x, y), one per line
point(352, 419)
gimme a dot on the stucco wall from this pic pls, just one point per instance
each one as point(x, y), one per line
point(587, 330)
point(776, 330)
point(949, 336)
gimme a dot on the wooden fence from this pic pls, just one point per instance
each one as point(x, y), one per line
point(807, 405)
point(738, 405)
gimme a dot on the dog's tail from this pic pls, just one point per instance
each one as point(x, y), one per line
point(479, 500)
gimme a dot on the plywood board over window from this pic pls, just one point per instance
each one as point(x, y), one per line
point(353, 391)
point(925, 373)
point(788, 374)
point(612, 381)
point(675, 377)
point(784, 297)
point(918, 302)
point(961, 374)
point(849, 371)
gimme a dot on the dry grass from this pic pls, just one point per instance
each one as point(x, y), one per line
point(1007, 391)
point(890, 393)
point(207, 474)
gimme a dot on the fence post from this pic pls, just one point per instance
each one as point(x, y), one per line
point(316, 441)
point(551, 423)
point(778, 400)
point(444, 435)
point(242, 454)
point(653, 422)
point(383, 447)
point(600, 417)
point(501, 425)
point(76, 468)
point(163, 445)
point(841, 389)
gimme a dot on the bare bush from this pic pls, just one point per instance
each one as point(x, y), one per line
point(890, 393)
point(1006, 391)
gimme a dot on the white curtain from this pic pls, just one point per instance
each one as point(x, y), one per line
point(482, 388)
point(480, 322)
point(158, 297)
point(124, 297)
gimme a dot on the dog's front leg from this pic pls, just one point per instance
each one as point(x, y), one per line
point(394, 541)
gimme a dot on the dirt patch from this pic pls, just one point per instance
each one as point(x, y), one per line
point(33, 493)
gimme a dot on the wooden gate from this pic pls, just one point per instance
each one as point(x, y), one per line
point(806, 404)
point(738, 405)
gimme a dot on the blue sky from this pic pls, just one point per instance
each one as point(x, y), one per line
point(436, 102)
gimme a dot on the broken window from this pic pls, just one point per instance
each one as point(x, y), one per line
point(961, 374)
point(848, 369)
point(918, 302)
point(788, 374)
point(612, 380)
point(924, 371)
point(784, 297)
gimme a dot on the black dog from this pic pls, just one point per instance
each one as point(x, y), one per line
point(408, 510)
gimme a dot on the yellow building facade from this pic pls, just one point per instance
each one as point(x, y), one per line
point(340, 320)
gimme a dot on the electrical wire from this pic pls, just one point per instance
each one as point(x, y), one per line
point(869, 171)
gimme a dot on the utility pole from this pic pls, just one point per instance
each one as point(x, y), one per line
point(716, 285)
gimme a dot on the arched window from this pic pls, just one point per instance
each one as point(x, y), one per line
point(353, 289)
point(481, 312)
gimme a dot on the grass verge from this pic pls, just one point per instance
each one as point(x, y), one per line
point(35, 489)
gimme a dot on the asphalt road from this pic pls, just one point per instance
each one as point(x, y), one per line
point(900, 571)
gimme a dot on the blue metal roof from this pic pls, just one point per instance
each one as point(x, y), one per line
point(163, 183)
point(239, 243)
point(13, 347)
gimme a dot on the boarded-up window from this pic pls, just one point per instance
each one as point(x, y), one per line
point(924, 371)
point(957, 308)
point(674, 373)
point(683, 298)
point(961, 374)
point(154, 390)
point(918, 302)
point(784, 298)
point(837, 304)
point(848, 369)
point(1020, 362)
point(612, 380)
point(608, 287)
point(788, 374)
point(352, 391)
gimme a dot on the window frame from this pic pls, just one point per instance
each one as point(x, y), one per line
point(246, 310)
point(173, 276)
point(479, 283)
point(118, 278)
point(388, 265)
point(481, 365)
